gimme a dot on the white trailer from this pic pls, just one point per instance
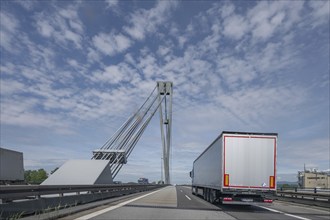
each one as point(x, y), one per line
point(237, 168)
point(11, 167)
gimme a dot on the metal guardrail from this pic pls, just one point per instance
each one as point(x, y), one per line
point(303, 196)
point(10, 193)
point(32, 199)
point(296, 189)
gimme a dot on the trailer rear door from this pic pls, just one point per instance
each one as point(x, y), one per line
point(249, 161)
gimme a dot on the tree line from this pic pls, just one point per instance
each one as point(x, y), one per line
point(36, 176)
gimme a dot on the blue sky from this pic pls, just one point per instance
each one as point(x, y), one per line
point(73, 71)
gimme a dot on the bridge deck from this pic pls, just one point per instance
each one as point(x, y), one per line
point(178, 203)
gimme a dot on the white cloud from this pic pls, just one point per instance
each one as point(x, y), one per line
point(268, 17)
point(225, 10)
point(163, 51)
point(236, 71)
point(45, 28)
point(8, 31)
point(256, 106)
point(28, 5)
point(320, 13)
point(10, 87)
point(144, 21)
point(115, 75)
point(111, 44)
point(63, 25)
point(8, 22)
point(235, 27)
point(111, 3)
point(19, 112)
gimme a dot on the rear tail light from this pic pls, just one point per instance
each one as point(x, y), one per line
point(272, 182)
point(226, 180)
point(268, 200)
point(227, 199)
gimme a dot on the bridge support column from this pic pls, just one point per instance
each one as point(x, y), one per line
point(165, 90)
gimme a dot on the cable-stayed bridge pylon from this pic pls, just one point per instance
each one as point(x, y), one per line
point(118, 148)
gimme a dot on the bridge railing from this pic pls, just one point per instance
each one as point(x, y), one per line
point(310, 196)
point(32, 199)
point(298, 189)
point(10, 193)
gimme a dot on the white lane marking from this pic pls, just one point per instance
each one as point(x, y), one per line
point(92, 215)
point(269, 209)
point(181, 190)
point(188, 197)
point(294, 216)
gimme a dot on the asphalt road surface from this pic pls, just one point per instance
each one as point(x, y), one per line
point(177, 202)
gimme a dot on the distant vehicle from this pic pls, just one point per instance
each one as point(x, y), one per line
point(143, 181)
point(11, 167)
point(237, 168)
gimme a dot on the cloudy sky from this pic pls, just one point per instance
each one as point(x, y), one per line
point(73, 71)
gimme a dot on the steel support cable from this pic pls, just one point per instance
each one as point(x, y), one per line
point(122, 140)
point(129, 143)
point(132, 144)
point(133, 116)
point(132, 130)
point(147, 99)
point(127, 133)
point(115, 167)
point(137, 136)
point(118, 133)
point(123, 128)
point(123, 135)
point(116, 170)
point(140, 132)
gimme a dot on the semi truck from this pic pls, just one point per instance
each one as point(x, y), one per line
point(237, 168)
point(11, 167)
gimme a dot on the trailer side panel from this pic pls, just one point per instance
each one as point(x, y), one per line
point(206, 169)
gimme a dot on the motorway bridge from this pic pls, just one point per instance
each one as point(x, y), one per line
point(91, 199)
point(177, 202)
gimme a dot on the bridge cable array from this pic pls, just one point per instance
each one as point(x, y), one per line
point(118, 148)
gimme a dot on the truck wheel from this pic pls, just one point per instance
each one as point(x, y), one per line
point(205, 194)
point(211, 196)
point(208, 195)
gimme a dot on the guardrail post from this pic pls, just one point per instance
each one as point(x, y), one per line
point(315, 190)
point(295, 189)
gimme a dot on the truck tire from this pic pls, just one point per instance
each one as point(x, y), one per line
point(204, 194)
point(212, 196)
point(208, 195)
